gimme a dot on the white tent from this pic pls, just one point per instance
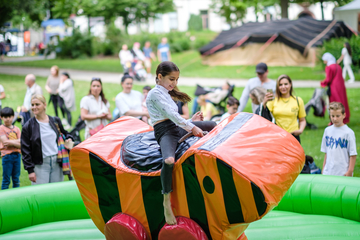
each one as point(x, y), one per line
point(350, 14)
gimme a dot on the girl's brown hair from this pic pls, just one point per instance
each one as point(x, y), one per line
point(101, 93)
point(284, 76)
point(57, 69)
point(165, 68)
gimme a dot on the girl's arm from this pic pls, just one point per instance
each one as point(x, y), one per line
point(350, 171)
point(302, 123)
point(136, 113)
point(86, 116)
point(324, 164)
point(2, 95)
point(340, 59)
point(329, 77)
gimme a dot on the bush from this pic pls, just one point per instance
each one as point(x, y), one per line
point(195, 23)
point(78, 45)
point(335, 45)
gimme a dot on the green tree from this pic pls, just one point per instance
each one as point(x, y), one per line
point(132, 11)
point(233, 10)
point(195, 23)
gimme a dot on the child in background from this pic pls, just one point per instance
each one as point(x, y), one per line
point(10, 149)
point(338, 144)
point(232, 106)
point(206, 108)
point(146, 90)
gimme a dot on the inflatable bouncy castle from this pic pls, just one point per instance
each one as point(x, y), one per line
point(222, 182)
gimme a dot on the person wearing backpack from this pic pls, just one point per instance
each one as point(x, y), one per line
point(286, 108)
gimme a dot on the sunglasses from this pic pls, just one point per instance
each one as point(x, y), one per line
point(96, 79)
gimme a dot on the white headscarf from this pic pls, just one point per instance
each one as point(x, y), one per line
point(329, 58)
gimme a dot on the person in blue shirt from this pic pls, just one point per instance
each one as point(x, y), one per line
point(163, 51)
point(149, 55)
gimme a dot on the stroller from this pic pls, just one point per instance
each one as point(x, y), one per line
point(221, 106)
point(75, 132)
point(317, 102)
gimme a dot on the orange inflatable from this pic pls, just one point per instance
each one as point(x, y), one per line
point(229, 178)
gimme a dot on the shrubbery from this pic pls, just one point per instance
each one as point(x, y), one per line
point(335, 45)
point(83, 45)
point(79, 45)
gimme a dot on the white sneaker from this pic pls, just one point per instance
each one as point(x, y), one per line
point(351, 81)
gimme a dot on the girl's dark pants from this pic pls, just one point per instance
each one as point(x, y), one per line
point(167, 134)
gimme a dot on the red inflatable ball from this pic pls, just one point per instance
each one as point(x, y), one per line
point(184, 229)
point(124, 227)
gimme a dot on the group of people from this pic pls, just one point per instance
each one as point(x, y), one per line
point(43, 137)
point(137, 62)
point(43, 142)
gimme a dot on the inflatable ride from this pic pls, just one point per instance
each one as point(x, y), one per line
point(316, 207)
point(224, 181)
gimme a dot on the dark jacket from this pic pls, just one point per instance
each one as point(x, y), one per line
point(31, 141)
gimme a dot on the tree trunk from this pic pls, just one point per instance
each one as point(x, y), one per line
point(284, 4)
point(322, 9)
point(89, 28)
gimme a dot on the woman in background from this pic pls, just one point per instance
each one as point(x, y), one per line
point(346, 56)
point(286, 108)
point(52, 87)
point(95, 109)
point(335, 82)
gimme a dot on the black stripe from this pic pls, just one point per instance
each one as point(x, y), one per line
point(226, 132)
point(153, 203)
point(195, 199)
point(231, 198)
point(259, 198)
point(106, 186)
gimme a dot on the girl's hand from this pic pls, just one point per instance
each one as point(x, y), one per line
point(197, 132)
point(198, 117)
point(32, 177)
point(268, 97)
point(69, 144)
point(296, 133)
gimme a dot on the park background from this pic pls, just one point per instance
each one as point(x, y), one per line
point(84, 49)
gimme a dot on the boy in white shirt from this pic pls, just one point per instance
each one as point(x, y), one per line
point(232, 106)
point(338, 144)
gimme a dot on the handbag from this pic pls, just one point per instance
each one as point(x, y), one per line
point(63, 153)
point(95, 130)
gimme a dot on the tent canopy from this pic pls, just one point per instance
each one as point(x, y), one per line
point(300, 34)
point(354, 5)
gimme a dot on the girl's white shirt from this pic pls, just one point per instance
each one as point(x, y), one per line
point(161, 106)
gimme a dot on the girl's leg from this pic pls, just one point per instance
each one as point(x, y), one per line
point(168, 145)
point(61, 105)
point(54, 100)
point(351, 73)
point(344, 73)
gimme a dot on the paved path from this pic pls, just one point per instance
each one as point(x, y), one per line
point(115, 78)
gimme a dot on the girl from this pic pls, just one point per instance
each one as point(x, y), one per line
point(95, 109)
point(346, 56)
point(169, 126)
point(286, 108)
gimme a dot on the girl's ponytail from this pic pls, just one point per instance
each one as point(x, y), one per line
point(165, 68)
point(179, 96)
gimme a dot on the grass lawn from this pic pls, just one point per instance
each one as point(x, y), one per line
point(189, 63)
point(311, 139)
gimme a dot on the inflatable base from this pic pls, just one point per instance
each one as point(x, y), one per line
point(274, 226)
point(315, 207)
point(124, 227)
point(184, 229)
